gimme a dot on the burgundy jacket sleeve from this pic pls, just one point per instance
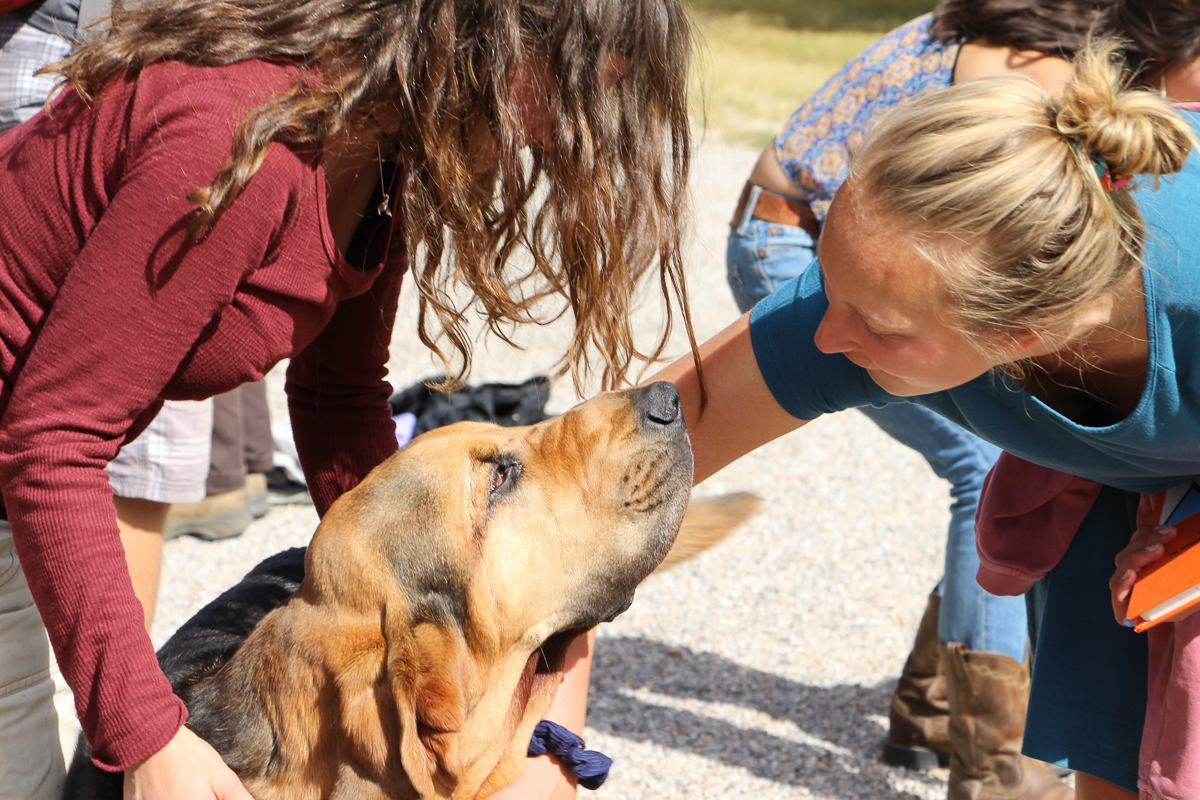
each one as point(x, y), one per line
point(1026, 519)
point(337, 394)
point(133, 305)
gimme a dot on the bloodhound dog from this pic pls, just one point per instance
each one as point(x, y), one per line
point(411, 650)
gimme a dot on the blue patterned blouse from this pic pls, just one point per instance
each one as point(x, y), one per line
point(815, 145)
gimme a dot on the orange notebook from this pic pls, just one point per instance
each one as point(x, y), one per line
point(1171, 584)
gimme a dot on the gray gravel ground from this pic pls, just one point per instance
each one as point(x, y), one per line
point(764, 667)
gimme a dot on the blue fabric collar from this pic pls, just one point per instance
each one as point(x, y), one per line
point(589, 766)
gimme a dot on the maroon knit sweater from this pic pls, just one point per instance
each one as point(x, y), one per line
point(107, 308)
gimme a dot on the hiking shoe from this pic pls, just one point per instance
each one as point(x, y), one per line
point(256, 495)
point(218, 516)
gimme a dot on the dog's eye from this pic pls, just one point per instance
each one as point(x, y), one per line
point(504, 475)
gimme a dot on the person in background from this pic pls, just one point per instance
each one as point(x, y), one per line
point(962, 692)
point(32, 35)
point(243, 453)
point(214, 192)
point(1163, 44)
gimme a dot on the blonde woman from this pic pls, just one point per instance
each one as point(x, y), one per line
point(991, 259)
point(772, 238)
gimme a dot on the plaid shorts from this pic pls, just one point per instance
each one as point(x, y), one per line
point(169, 462)
point(23, 51)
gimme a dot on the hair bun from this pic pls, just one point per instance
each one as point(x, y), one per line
point(1134, 130)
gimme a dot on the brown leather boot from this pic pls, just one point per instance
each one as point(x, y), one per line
point(917, 721)
point(988, 693)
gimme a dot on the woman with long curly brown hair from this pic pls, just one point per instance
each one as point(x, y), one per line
point(226, 183)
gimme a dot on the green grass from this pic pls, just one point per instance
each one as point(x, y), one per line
point(867, 16)
point(758, 60)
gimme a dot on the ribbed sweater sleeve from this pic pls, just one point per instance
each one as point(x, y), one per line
point(132, 307)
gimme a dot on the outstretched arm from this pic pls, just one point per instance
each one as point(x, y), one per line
point(740, 413)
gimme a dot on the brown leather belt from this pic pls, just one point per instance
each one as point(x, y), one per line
point(773, 207)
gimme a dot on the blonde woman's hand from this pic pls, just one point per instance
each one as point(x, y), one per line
point(187, 768)
point(1143, 549)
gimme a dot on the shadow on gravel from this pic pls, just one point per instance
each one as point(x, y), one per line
point(818, 737)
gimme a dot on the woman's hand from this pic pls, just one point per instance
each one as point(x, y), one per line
point(187, 768)
point(544, 778)
point(1144, 548)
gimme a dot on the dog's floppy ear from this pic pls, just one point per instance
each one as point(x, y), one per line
point(428, 668)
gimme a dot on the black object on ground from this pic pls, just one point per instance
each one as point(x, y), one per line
point(502, 403)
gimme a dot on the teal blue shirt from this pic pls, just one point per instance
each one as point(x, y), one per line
point(1154, 448)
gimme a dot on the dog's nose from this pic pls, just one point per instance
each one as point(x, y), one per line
point(659, 404)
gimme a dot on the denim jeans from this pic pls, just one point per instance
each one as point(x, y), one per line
point(762, 255)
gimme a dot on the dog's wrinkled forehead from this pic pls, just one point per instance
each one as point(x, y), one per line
point(564, 443)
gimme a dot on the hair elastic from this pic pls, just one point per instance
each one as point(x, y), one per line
point(1108, 179)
